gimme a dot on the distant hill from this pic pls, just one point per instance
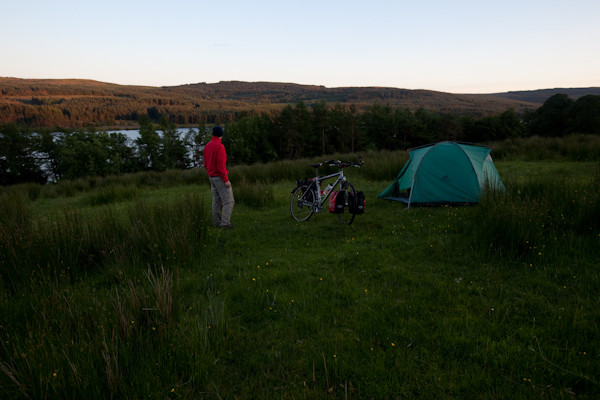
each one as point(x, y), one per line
point(541, 95)
point(77, 102)
point(290, 93)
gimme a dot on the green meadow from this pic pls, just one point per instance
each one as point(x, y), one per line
point(120, 287)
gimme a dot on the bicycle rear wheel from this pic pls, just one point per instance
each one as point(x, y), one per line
point(347, 216)
point(302, 203)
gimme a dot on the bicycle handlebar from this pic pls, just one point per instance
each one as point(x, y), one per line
point(341, 164)
point(338, 163)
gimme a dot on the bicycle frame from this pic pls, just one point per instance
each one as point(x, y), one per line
point(322, 198)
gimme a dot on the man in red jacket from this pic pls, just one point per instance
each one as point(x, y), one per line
point(215, 159)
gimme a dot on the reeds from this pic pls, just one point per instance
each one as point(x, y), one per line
point(538, 218)
point(573, 148)
point(73, 243)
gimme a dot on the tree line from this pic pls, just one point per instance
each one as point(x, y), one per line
point(42, 155)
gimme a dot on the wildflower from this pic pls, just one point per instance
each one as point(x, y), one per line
point(54, 374)
point(173, 390)
point(393, 344)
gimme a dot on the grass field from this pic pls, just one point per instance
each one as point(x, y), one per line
point(127, 291)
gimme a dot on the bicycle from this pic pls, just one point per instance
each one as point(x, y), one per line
point(308, 198)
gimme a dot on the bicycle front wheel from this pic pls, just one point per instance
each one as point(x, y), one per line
point(302, 203)
point(347, 216)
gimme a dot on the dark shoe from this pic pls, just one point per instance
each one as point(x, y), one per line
point(229, 226)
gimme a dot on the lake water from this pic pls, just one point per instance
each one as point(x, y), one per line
point(133, 134)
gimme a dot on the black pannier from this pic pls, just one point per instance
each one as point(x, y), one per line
point(357, 203)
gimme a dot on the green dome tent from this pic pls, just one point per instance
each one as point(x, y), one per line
point(444, 173)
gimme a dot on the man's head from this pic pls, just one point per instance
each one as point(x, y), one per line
point(217, 131)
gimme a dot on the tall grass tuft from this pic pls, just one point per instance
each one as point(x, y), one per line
point(167, 233)
point(573, 148)
point(254, 194)
point(111, 194)
point(162, 290)
point(72, 243)
point(16, 231)
point(540, 218)
point(146, 179)
point(384, 165)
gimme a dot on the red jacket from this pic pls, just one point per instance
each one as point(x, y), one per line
point(215, 158)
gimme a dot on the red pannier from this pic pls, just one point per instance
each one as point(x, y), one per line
point(336, 202)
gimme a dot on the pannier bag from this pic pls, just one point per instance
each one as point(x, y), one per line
point(358, 204)
point(336, 202)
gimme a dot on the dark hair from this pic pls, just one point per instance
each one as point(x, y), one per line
point(217, 131)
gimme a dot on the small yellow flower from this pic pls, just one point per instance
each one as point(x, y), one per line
point(393, 344)
point(54, 374)
point(172, 390)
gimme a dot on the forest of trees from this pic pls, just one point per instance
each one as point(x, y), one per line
point(76, 103)
point(41, 155)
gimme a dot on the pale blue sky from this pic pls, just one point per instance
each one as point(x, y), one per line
point(463, 46)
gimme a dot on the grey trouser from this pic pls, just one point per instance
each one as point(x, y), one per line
point(222, 201)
